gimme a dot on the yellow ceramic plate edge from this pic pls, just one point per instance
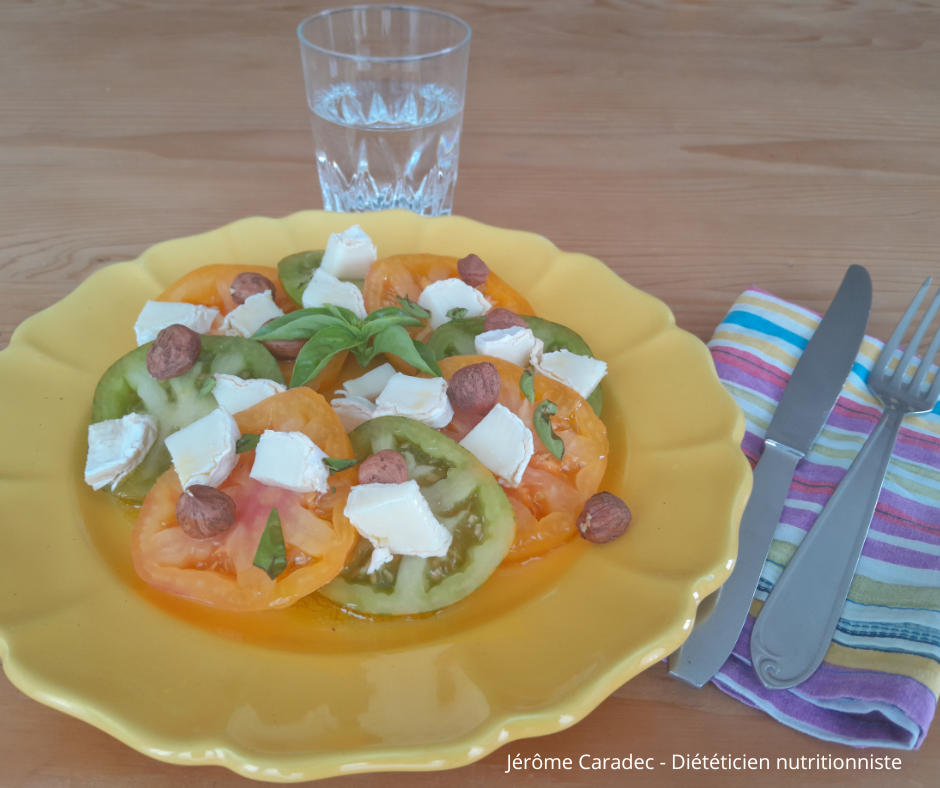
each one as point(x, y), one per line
point(431, 235)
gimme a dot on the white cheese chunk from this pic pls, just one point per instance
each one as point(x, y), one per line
point(204, 451)
point(352, 411)
point(247, 318)
point(446, 294)
point(397, 520)
point(380, 557)
point(116, 447)
point(157, 315)
point(236, 394)
point(369, 385)
point(421, 399)
point(292, 461)
point(324, 288)
point(502, 443)
point(581, 373)
point(349, 254)
point(513, 344)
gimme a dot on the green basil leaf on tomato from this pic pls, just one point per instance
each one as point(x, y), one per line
point(463, 495)
point(127, 387)
point(456, 338)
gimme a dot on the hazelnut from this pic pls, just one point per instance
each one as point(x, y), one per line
point(475, 388)
point(249, 284)
point(384, 467)
point(499, 317)
point(203, 512)
point(603, 518)
point(473, 270)
point(285, 349)
point(173, 352)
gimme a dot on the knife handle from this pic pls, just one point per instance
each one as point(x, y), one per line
point(795, 627)
point(711, 641)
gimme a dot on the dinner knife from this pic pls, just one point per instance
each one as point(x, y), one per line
point(805, 404)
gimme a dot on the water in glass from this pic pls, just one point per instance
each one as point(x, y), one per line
point(388, 144)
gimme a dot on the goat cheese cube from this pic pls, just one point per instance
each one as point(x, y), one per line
point(352, 411)
point(236, 394)
point(292, 461)
point(349, 254)
point(380, 557)
point(157, 315)
point(513, 344)
point(397, 520)
point(581, 373)
point(369, 385)
point(503, 443)
point(247, 318)
point(421, 399)
point(324, 288)
point(446, 294)
point(204, 452)
point(116, 447)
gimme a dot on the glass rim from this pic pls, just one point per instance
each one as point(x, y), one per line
point(304, 42)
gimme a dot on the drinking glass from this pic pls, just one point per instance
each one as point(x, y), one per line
point(385, 87)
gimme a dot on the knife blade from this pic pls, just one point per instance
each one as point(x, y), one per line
point(806, 403)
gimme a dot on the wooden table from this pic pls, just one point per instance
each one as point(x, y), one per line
point(694, 147)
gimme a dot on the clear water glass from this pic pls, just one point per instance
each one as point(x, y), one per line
point(385, 87)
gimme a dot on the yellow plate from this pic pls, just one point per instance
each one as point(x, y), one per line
point(309, 692)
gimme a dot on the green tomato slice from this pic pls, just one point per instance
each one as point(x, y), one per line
point(127, 387)
point(296, 270)
point(455, 338)
point(463, 495)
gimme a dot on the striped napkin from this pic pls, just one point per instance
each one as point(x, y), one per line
point(879, 683)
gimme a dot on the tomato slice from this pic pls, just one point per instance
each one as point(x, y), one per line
point(211, 285)
point(553, 492)
point(409, 274)
point(463, 496)
point(219, 571)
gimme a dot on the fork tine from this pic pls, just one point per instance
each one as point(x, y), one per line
point(881, 365)
point(912, 346)
point(925, 363)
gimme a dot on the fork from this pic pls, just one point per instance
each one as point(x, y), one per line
point(797, 622)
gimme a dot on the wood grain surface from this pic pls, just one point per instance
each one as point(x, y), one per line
point(695, 147)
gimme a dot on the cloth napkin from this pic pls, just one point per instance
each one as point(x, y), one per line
point(879, 682)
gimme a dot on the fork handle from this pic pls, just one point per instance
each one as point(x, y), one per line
point(797, 622)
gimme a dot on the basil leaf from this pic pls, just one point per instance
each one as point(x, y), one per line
point(246, 442)
point(411, 308)
point(302, 324)
point(457, 312)
point(316, 354)
point(543, 428)
point(374, 326)
point(336, 465)
point(429, 357)
point(271, 555)
point(385, 311)
point(527, 385)
point(397, 342)
point(207, 387)
point(295, 272)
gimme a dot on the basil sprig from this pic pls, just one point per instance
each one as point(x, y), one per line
point(331, 329)
point(246, 442)
point(541, 419)
point(271, 555)
point(335, 464)
point(527, 385)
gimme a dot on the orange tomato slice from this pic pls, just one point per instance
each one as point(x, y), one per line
point(553, 492)
point(219, 571)
point(409, 274)
point(211, 285)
